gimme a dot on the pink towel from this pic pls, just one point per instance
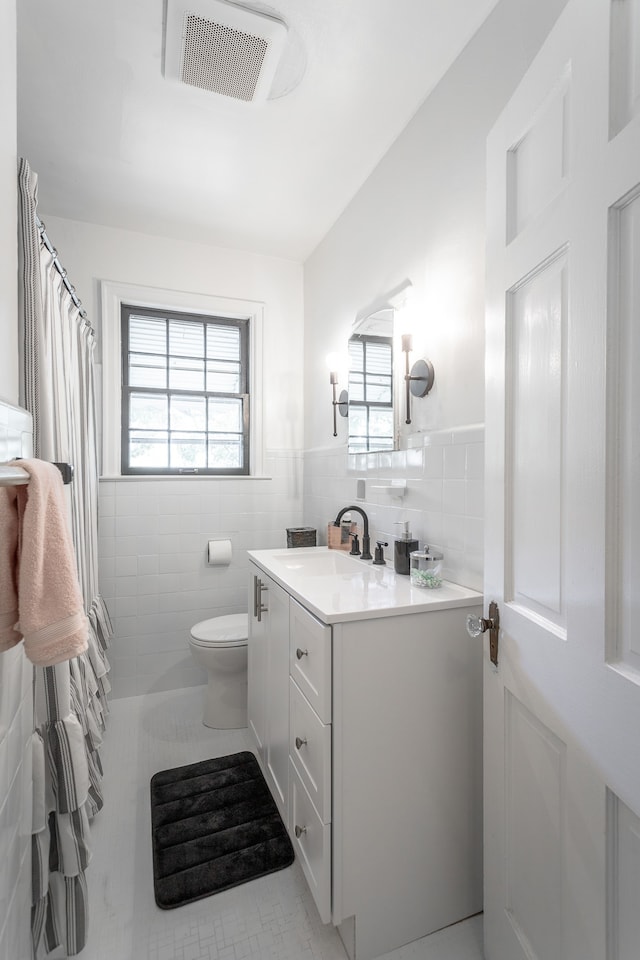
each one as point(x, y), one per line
point(38, 576)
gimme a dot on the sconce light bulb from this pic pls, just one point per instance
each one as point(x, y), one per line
point(333, 376)
point(407, 343)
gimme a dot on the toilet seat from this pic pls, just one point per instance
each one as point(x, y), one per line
point(228, 631)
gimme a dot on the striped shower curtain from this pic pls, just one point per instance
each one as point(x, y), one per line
point(70, 700)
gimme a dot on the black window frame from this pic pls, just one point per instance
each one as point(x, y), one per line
point(368, 405)
point(128, 310)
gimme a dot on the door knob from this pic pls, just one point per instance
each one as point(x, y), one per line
point(301, 653)
point(300, 742)
point(299, 830)
point(478, 625)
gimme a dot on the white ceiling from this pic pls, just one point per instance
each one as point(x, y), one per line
point(116, 143)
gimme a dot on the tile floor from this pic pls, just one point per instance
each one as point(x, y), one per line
point(272, 918)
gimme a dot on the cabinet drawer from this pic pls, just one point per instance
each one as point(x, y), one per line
point(310, 658)
point(310, 750)
point(312, 843)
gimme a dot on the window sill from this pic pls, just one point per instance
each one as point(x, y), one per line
point(189, 477)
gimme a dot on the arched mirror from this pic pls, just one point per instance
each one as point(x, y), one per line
point(375, 372)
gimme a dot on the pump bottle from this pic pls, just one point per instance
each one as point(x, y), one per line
point(403, 548)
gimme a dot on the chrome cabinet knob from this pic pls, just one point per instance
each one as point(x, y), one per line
point(301, 653)
point(299, 830)
point(300, 742)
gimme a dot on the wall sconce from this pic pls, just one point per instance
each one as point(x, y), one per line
point(341, 405)
point(419, 379)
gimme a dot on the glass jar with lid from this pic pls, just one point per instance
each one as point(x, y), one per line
point(426, 568)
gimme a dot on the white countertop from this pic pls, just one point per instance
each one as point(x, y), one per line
point(337, 587)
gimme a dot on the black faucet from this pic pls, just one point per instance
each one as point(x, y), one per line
point(366, 541)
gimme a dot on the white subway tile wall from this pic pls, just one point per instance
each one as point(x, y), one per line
point(16, 725)
point(444, 501)
point(153, 537)
point(154, 576)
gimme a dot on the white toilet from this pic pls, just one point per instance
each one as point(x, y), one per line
point(219, 646)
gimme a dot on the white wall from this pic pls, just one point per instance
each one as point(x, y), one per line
point(8, 201)
point(153, 531)
point(421, 216)
point(15, 671)
point(93, 253)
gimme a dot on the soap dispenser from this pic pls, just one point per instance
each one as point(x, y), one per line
point(403, 548)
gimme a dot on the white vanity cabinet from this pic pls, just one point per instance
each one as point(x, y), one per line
point(310, 683)
point(268, 679)
point(384, 699)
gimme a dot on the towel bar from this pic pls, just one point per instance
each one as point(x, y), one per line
point(13, 476)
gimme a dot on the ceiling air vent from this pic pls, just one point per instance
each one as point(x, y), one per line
point(222, 47)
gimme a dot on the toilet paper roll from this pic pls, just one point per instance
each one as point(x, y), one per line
point(219, 553)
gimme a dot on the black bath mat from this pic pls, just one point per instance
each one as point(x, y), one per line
point(214, 825)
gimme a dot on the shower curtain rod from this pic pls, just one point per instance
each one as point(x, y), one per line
point(61, 270)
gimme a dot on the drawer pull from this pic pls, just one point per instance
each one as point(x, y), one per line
point(299, 831)
point(301, 653)
point(300, 742)
point(258, 606)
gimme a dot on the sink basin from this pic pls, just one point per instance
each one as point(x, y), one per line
point(337, 587)
point(321, 563)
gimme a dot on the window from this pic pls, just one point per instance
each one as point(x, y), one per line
point(370, 394)
point(185, 401)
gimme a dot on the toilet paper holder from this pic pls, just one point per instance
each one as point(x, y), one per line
point(219, 553)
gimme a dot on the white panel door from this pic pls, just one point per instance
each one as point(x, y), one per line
point(562, 707)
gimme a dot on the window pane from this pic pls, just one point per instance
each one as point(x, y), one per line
point(379, 358)
point(186, 374)
point(380, 423)
point(371, 386)
point(378, 389)
point(147, 335)
point(148, 449)
point(357, 421)
point(225, 415)
point(148, 411)
point(147, 370)
point(224, 452)
point(184, 389)
point(356, 388)
point(186, 338)
point(223, 343)
point(356, 356)
point(223, 377)
point(188, 450)
point(188, 413)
